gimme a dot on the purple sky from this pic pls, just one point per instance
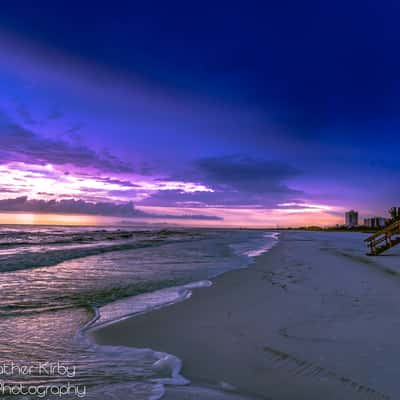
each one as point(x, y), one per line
point(243, 131)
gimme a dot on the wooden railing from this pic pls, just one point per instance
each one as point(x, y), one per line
point(384, 239)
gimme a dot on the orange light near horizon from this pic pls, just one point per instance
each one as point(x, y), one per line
point(232, 218)
point(47, 219)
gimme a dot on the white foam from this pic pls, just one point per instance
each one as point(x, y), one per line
point(143, 303)
point(170, 366)
point(257, 247)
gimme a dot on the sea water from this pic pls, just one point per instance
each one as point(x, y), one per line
point(58, 282)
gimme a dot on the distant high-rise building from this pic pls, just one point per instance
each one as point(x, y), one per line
point(375, 222)
point(351, 218)
point(395, 213)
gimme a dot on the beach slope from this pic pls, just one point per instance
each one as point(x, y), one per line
point(314, 318)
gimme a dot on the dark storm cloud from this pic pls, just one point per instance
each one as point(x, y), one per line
point(220, 198)
point(68, 206)
point(71, 206)
point(236, 180)
point(20, 144)
point(246, 174)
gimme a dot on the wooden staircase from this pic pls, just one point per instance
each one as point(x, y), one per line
point(384, 239)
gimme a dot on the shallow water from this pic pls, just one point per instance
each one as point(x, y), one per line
point(56, 282)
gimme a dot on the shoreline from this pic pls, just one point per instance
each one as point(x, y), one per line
point(276, 329)
point(182, 292)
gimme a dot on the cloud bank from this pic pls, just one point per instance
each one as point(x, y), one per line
point(18, 144)
point(72, 206)
point(106, 185)
point(236, 180)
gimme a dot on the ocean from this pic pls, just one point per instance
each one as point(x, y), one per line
point(57, 283)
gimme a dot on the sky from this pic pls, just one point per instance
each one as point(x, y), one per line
point(272, 113)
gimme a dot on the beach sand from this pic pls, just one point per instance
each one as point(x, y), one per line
point(314, 318)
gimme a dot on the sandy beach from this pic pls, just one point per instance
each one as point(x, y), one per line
point(314, 318)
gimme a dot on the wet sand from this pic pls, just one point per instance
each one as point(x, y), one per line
point(314, 318)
